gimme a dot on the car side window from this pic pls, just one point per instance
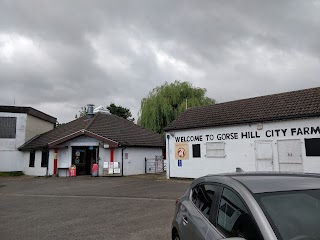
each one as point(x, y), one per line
point(202, 197)
point(234, 219)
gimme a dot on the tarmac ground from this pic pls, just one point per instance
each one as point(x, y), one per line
point(85, 207)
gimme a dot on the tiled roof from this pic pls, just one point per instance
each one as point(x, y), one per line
point(108, 126)
point(30, 111)
point(282, 106)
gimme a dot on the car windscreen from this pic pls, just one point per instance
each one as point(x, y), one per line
point(294, 215)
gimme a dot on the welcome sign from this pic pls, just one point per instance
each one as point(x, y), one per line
point(284, 132)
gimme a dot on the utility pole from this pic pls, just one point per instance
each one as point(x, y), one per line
point(186, 103)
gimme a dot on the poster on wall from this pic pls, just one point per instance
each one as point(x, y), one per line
point(105, 168)
point(110, 168)
point(182, 151)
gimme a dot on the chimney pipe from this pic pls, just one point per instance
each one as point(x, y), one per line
point(90, 113)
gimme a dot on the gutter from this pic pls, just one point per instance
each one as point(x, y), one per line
point(22, 146)
point(122, 160)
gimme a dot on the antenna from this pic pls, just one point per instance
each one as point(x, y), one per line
point(14, 101)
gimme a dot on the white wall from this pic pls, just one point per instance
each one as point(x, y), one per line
point(65, 155)
point(35, 126)
point(135, 164)
point(10, 158)
point(11, 161)
point(37, 170)
point(239, 152)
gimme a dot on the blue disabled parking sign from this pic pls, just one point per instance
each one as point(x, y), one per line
point(179, 163)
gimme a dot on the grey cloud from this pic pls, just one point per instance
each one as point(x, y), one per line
point(234, 49)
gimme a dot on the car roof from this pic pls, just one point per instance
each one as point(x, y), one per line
point(272, 182)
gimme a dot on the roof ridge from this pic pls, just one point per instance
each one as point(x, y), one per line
point(268, 95)
point(251, 98)
point(91, 121)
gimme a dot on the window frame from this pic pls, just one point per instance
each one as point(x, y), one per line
point(44, 162)
point(32, 160)
point(198, 145)
point(13, 128)
point(243, 202)
point(258, 198)
point(309, 152)
point(215, 202)
point(220, 156)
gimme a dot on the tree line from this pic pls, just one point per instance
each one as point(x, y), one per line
point(162, 105)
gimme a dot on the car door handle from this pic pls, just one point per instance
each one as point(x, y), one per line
point(185, 220)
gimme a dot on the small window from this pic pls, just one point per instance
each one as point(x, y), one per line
point(44, 159)
point(215, 149)
point(196, 150)
point(202, 197)
point(8, 127)
point(234, 219)
point(31, 159)
point(312, 147)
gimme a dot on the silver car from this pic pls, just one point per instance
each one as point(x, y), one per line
point(250, 206)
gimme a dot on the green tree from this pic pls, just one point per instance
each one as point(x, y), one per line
point(165, 103)
point(82, 112)
point(120, 111)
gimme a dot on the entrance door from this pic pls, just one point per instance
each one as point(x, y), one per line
point(290, 155)
point(83, 158)
point(79, 156)
point(264, 155)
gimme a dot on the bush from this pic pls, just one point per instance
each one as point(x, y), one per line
point(11, 174)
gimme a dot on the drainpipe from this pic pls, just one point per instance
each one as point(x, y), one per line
point(97, 159)
point(168, 160)
point(122, 160)
point(47, 171)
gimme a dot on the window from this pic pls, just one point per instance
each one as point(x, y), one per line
point(215, 149)
point(234, 219)
point(196, 150)
point(312, 146)
point(31, 159)
point(44, 159)
point(8, 127)
point(292, 214)
point(202, 197)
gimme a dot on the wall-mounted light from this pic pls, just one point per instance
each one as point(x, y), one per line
point(259, 126)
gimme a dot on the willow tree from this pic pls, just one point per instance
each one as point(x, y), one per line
point(163, 104)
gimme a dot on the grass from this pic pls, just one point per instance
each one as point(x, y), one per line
point(11, 174)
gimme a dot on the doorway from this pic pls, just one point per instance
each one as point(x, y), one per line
point(290, 155)
point(83, 158)
point(264, 155)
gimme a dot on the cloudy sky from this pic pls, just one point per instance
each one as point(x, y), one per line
point(57, 56)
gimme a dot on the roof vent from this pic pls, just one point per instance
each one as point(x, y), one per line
point(102, 110)
point(90, 110)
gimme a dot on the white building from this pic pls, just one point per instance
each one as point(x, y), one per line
point(18, 125)
point(279, 132)
point(118, 146)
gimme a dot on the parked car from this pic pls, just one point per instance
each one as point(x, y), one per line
point(250, 206)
